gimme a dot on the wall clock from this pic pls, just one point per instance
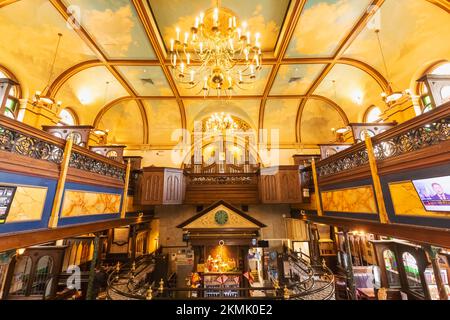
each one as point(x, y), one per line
point(221, 217)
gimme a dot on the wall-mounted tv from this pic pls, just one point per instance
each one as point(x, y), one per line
point(6, 198)
point(434, 193)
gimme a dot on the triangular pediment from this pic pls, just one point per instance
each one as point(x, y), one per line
point(221, 215)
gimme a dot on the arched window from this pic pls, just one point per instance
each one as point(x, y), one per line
point(373, 115)
point(43, 273)
point(390, 262)
point(440, 69)
point(9, 94)
point(412, 272)
point(21, 276)
point(68, 118)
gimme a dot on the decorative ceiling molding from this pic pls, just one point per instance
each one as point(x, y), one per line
point(443, 4)
point(66, 75)
point(4, 3)
point(296, 12)
point(160, 53)
point(111, 104)
point(276, 60)
point(372, 9)
point(89, 41)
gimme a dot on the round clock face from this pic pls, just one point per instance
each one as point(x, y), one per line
point(221, 217)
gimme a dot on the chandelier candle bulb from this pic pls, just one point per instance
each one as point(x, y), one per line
point(216, 17)
point(182, 69)
point(188, 59)
point(202, 17)
point(174, 60)
point(172, 43)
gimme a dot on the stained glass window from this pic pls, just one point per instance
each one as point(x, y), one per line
point(390, 263)
point(12, 101)
point(412, 273)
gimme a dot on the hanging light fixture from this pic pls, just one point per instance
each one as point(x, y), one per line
point(390, 96)
point(221, 122)
point(216, 53)
point(42, 96)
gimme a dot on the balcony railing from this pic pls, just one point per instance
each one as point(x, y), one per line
point(24, 140)
point(414, 135)
point(308, 282)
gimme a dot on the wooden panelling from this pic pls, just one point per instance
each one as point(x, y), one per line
point(280, 185)
point(159, 186)
point(14, 163)
point(235, 194)
point(173, 186)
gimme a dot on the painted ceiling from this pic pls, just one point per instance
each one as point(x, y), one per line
point(322, 66)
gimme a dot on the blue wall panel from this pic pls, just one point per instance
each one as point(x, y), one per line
point(19, 179)
point(90, 218)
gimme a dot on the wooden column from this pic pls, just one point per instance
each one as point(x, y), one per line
point(125, 191)
point(376, 182)
point(316, 187)
point(314, 251)
point(90, 295)
point(349, 269)
point(53, 221)
point(433, 252)
point(133, 243)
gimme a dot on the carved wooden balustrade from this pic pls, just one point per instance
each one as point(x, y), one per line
point(417, 143)
point(25, 149)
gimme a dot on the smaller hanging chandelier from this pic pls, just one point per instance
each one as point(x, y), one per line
point(42, 97)
point(390, 96)
point(216, 53)
point(220, 122)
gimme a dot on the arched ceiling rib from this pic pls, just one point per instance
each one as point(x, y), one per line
point(277, 61)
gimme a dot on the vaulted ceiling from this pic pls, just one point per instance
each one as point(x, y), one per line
point(322, 66)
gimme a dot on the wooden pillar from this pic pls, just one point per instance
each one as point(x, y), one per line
point(133, 243)
point(90, 295)
point(376, 182)
point(53, 221)
point(433, 252)
point(349, 269)
point(314, 252)
point(316, 187)
point(125, 191)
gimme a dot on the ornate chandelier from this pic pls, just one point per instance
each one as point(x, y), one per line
point(220, 122)
point(216, 54)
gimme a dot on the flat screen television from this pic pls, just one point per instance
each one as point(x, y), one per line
point(434, 193)
point(6, 198)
